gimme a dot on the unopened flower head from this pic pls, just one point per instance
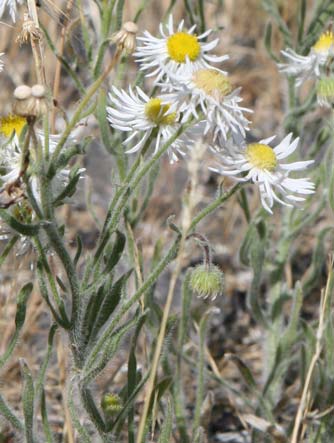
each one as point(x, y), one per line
point(210, 91)
point(135, 112)
point(176, 53)
point(262, 164)
point(207, 281)
point(126, 37)
point(12, 123)
point(11, 5)
point(325, 91)
point(304, 67)
point(111, 404)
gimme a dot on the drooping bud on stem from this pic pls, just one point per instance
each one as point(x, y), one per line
point(125, 38)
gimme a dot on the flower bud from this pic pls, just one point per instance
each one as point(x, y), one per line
point(207, 281)
point(126, 37)
point(111, 404)
point(325, 91)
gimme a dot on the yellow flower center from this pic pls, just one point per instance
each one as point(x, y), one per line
point(156, 112)
point(182, 45)
point(261, 156)
point(212, 82)
point(324, 43)
point(11, 123)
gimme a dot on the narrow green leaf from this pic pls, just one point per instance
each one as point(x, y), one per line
point(9, 415)
point(19, 321)
point(92, 409)
point(45, 421)
point(243, 369)
point(110, 302)
point(167, 427)
point(69, 189)
point(9, 246)
point(267, 42)
point(79, 251)
point(28, 401)
point(116, 252)
point(24, 229)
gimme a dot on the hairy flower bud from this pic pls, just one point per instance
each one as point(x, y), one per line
point(111, 404)
point(325, 91)
point(207, 281)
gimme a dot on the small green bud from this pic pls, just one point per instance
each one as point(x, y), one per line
point(111, 404)
point(325, 91)
point(207, 281)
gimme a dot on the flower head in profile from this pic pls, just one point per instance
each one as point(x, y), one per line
point(304, 67)
point(175, 53)
point(325, 91)
point(262, 164)
point(137, 113)
point(210, 91)
point(11, 5)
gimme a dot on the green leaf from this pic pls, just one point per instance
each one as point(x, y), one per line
point(45, 421)
point(24, 229)
point(277, 307)
point(110, 303)
point(167, 427)
point(79, 251)
point(92, 409)
point(19, 321)
point(69, 189)
point(116, 252)
point(243, 369)
point(101, 115)
point(267, 42)
point(104, 353)
point(28, 401)
point(9, 415)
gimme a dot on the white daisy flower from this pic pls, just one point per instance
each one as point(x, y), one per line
point(176, 53)
point(263, 165)
point(210, 91)
point(139, 114)
point(304, 67)
point(12, 7)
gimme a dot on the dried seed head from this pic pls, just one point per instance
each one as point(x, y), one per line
point(29, 30)
point(22, 92)
point(126, 37)
point(38, 91)
point(30, 102)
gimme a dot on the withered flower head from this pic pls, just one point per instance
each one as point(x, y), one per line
point(126, 37)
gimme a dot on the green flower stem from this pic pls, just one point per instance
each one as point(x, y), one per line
point(126, 182)
point(214, 205)
point(46, 129)
point(9, 415)
point(128, 305)
point(142, 173)
point(77, 115)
